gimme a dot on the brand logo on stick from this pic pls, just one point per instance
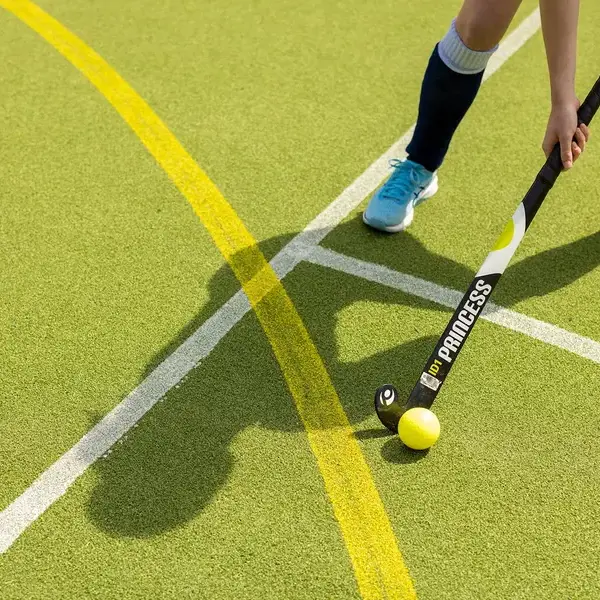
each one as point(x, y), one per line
point(462, 324)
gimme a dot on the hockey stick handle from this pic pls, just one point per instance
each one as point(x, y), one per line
point(480, 290)
point(553, 167)
point(590, 105)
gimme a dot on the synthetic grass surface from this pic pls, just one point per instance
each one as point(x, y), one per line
point(109, 259)
point(505, 505)
point(216, 494)
point(282, 103)
point(217, 485)
point(102, 260)
point(133, 252)
point(492, 162)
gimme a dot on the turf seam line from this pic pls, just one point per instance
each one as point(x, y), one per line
point(55, 480)
point(415, 286)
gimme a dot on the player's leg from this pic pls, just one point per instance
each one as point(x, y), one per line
point(450, 84)
point(454, 75)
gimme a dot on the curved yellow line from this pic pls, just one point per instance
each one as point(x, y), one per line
point(379, 569)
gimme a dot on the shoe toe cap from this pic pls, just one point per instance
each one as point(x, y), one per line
point(382, 213)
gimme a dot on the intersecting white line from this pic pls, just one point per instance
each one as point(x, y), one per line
point(55, 480)
point(415, 286)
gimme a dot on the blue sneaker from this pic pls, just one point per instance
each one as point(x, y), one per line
point(392, 207)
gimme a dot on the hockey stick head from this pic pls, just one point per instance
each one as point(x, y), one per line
point(388, 406)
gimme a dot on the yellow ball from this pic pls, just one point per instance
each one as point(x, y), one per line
point(419, 428)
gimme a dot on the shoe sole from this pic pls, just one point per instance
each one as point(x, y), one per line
point(429, 191)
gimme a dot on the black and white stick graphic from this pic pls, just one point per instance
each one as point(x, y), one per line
point(388, 407)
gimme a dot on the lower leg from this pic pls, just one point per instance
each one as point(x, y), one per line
point(481, 24)
point(454, 74)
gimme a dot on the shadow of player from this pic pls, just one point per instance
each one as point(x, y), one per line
point(170, 468)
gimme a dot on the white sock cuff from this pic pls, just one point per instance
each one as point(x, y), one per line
point(460, 58)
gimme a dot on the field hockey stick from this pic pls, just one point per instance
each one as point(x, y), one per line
point(387, 405)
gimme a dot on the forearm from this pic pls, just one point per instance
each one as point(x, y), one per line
point(559, 27)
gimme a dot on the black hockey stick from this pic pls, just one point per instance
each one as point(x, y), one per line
point(388, 408)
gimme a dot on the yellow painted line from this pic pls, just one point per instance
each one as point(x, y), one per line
point(379, 569)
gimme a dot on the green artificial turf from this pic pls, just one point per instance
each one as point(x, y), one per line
point(106, 271)
point(282, 103)
point(504, 506)
point(214, 495)
point(217, 484)
point(102, 259)
point(492, 162)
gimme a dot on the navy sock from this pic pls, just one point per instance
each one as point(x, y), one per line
point(445, 98)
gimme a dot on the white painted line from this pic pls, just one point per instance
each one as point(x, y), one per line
point(370, 180)
point(545, 332)
point(526, 29)
point(55, 481)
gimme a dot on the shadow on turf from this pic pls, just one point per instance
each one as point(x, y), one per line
point(170, 467)
point(395, 452)
point(372, 434)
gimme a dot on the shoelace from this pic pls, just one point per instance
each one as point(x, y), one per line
point(399, 187)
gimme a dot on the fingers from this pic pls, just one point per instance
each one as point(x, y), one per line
point(566, 151)
point(571, 147)
point(575, 151)
point(586, 131)
point(582, 135)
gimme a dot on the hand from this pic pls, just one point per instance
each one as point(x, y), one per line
point(562, 127)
